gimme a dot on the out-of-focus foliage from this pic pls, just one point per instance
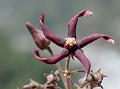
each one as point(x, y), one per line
point(17, 63)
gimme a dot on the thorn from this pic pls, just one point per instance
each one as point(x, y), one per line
point(91, 71)
point(99, 70)
point(45, 74)
point(101, 86)
point(31, 80)
point(56, 72)
point(51, 72)
point(104, 75)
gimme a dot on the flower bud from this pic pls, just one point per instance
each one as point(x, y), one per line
point(38, 37)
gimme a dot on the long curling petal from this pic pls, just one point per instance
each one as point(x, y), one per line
point(86, 40)
point(73, 22)
point(50, 35)
point(38, 36)
point(53, 59)
point(82, 58)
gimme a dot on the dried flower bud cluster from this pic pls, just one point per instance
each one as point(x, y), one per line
point(52, 78)
point(94, 80)
point(50, 83)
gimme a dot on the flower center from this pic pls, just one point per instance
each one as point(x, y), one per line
point(70, 41)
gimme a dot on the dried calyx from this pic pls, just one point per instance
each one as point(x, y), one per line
point(51, 82)
point(94, 80)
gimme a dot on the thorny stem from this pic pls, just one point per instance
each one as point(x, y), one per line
point(59, 67)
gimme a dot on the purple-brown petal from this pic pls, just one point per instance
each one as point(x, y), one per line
point(50, 35)
point(38, 37)
point(82, 58)
point(73, 22)
point(53, 59)
point(86, 40)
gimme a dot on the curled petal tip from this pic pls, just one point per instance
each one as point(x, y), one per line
point(111, 41)
point(88, 13)
point(27, 23)
point(30, 26)
point(41, 23)
point(42, 18)
point(38, 56)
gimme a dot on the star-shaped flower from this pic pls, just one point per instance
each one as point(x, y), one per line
point(70, 45)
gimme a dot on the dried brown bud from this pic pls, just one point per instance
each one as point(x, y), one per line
point(52, 78)
point(94, 80)
point(97, 76)
point(40, 40)
point(51, 81)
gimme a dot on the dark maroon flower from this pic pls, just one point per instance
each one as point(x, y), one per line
point(71, 45)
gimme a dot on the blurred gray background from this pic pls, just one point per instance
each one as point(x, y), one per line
point(17, 64)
